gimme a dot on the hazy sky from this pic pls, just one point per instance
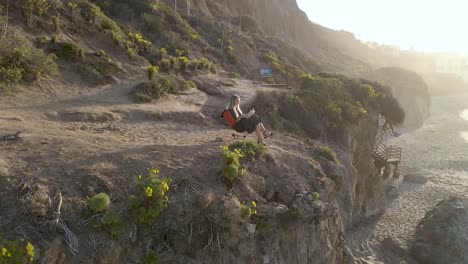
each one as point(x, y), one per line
point(425, 25)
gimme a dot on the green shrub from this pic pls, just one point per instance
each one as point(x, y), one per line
point(41, 40)
point(91, 75)
point(117, 38)
point(68, 51)
point(41, 6)
point(234, 75)
point(21, 62)
point(229, 49)
point(307, 80)
point(106, 67)
point(72, 7)
point(189, 85)
point(151, 258)
point(109, 24)
point(114, 223)
point(248, 209)
point(89, 11)
point(249, 149)
point(98, 203)
point(162, 53)
point(270, 80)
point(138, 40)
point(316, 196)
point(327, 153)
point(172, 61)
point(183, 63)
point(193, 65)
point(56, 23)
point(130, 52)
point(159, 87)
point(99, 69)
point(141, 98)
point(151, 71)
point(204, 64)
point(150, 199)
point(230, 170)
point(165, 65)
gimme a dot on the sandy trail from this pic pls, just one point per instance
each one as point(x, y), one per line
point(439, 151)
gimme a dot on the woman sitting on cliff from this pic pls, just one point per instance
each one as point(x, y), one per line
point(245, 123)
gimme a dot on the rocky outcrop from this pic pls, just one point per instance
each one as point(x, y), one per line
point(363, 194)
point(415, 178)
point(442, 235)
point(409, 89)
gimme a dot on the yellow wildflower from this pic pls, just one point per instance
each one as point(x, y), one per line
point(254, 204)
point(243, 171)
point(9, 254)
point(4, 251)
point(148, 192)
point(30, 251)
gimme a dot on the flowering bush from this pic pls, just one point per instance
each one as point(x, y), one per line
point(14, 252)
point(230, 169)
point(248, 209)
point(151, 198)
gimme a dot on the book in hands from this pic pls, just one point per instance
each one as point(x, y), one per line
point(249, 114)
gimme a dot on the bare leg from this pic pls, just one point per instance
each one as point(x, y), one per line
point(264, 129)
point(258, 129)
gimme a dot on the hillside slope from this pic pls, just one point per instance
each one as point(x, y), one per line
point(102, 97)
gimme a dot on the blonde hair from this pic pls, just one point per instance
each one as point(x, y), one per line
point(237, 110)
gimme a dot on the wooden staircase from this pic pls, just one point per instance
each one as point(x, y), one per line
point(387, 157)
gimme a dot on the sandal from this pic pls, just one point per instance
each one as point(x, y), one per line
point(265, 135)
point(261, 142)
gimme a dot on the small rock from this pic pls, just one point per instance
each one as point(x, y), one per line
point(416, 178)
point(391, 245)
point(84, 127)
point(113, 127)
point(251, 228)
point(270, 194)
point(271, 209)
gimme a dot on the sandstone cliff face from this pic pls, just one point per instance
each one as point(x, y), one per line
point(364, 194)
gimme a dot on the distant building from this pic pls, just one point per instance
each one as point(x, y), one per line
point(454, 63)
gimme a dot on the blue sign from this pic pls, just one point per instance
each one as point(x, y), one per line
point(266, 72)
